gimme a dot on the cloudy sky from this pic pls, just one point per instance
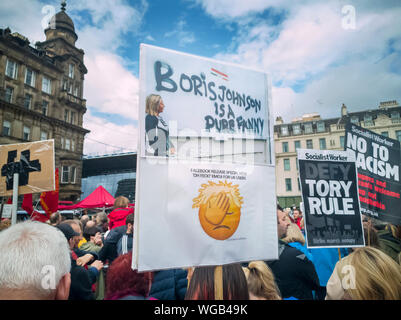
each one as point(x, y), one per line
point(319, 53)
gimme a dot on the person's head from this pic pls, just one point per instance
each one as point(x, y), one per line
point(377, 276)
point(154, 104)
point(261, 283)
point(35, 262)
point(296, 214)
point(121, 280)
point(129, 222)
point(202, 284)
point(77, 227)
point(294, 234)
point(84, 220)
point(282, 223)
point(102, 221)
point(4, 224)
point(90, 233)
point(70, 234)
point(121, 202)
point(90, 223)
point(55, 218)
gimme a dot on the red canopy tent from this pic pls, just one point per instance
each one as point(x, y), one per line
point(99, 198)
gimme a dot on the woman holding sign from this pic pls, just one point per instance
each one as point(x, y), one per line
point(157, 133)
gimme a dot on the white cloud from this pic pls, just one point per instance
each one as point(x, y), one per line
point(110, 87)
point(183, 36)
point(107, 137)
point(316, 64)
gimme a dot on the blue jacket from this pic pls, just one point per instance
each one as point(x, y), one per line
point(169, 284)
point(302, 248)
point(325, 260)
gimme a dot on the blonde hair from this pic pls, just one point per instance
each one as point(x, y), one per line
point(121, 202)
point(377, 276)
point(152, 104)
point(294, 234)
point(261, 282)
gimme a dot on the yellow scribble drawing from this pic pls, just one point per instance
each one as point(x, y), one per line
point(219, 209)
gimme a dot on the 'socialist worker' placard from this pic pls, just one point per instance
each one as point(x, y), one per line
point(378, 164)
point(330, 196)
point(33, 161)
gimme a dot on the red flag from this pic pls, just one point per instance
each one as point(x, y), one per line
point(27, 203)
point(49, 199)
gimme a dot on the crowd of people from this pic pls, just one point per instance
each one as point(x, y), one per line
point(90, 258)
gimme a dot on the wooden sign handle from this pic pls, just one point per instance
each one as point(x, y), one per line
point(218, 283)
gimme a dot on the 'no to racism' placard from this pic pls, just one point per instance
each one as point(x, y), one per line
point(330, 196)
point(378, 164)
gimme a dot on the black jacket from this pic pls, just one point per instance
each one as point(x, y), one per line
point(169, 284)
point(294, 273)
point(109, 249)
point(81, 284)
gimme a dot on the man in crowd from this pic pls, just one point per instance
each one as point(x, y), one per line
point(34, 263)
point(124, 244)
point(82, 279)
point(295, 274)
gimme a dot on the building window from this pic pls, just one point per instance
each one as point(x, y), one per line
point(9, 94)
point(67, 144)
point(11, 69)
point(308, 128)
point(46, 85)
point(322, 143)
point(65, 173)
point(342, 139)
point(73, 174)
point(355, 120)
point(66, 114)
point(398, 135)
point(395, 115)
point(384, 133)
point(71, 71)
point(297, 145)
point(284, 130)
point(321, 126)
point(287, 165)
point(70, 88)
point(6, 128)
point(309, 144)
point(28, 101)
point(296, 129)
point(43, 135)
point(288, 186)
point(285, 146)
point(45, 107)
point(72, 145)
point(62, 142)
point(72, 117)
point(76, 91)
point(368, 120)
point(26, 133)
point(30, 77)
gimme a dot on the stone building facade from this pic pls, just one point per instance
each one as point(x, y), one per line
point(41, 96)
point(313, 132)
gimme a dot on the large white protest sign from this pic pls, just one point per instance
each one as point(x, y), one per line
point(192, 218)
point(205, 192)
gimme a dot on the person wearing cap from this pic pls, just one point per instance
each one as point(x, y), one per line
point(81, 282)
